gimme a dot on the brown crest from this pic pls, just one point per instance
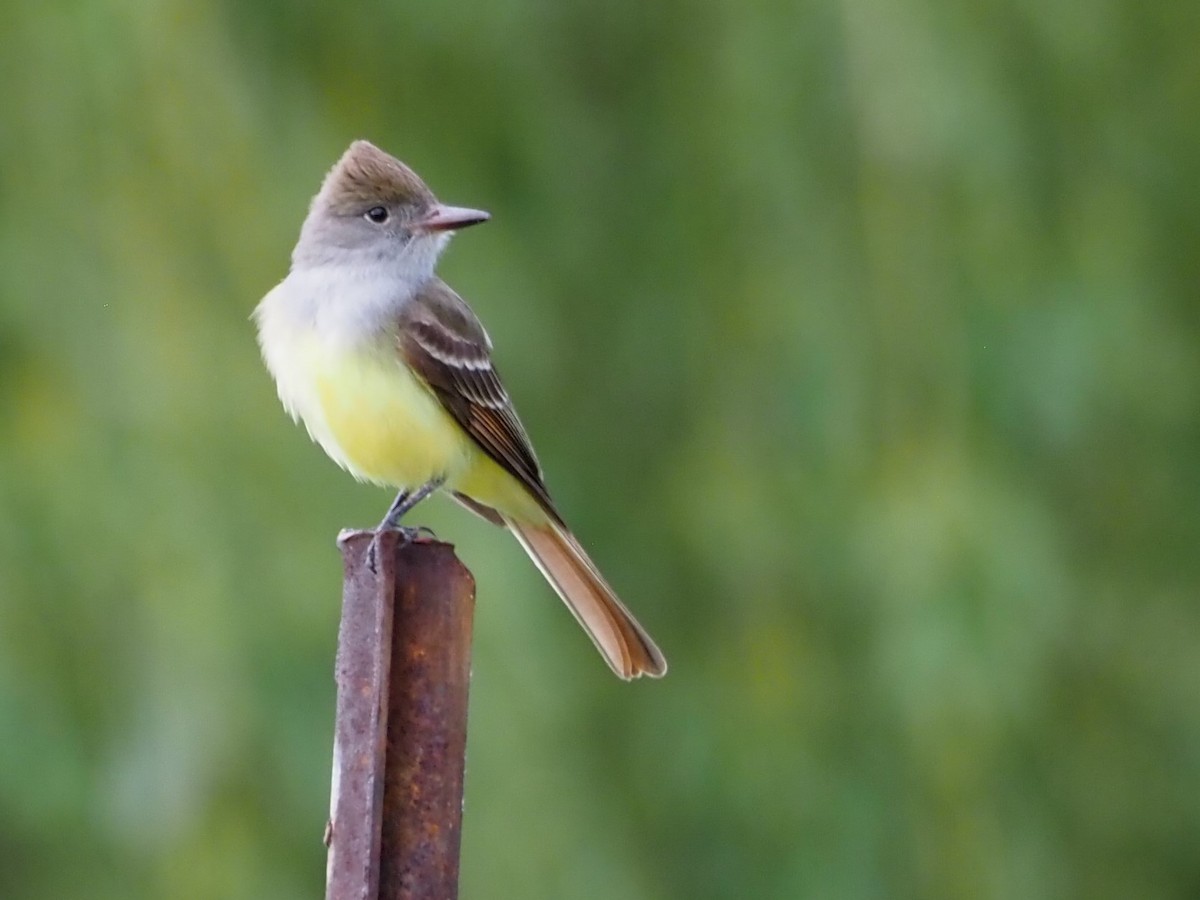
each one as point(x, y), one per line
point(366, 175)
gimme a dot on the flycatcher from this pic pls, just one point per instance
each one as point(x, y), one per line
point(391, 372)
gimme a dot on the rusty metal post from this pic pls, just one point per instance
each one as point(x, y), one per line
point(403, 668)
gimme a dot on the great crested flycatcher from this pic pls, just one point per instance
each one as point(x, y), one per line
point(391, 373)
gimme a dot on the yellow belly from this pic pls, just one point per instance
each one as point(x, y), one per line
point(381, 423)
point(373, 416)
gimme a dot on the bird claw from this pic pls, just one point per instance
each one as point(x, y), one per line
point(408, 534)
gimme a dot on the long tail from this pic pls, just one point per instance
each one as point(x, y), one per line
point(626, 647)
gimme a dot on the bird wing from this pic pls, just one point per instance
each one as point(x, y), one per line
point(443, 342)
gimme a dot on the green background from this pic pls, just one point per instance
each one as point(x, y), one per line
point(860, 342)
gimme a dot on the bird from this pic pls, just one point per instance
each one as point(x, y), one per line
point(391, 372)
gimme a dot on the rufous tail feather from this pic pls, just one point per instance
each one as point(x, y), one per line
point(622, 642)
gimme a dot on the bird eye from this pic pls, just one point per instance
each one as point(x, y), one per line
point(377, 214)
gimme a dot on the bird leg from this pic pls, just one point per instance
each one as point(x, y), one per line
point(405, 500)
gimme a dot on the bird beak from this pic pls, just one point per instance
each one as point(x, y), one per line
point(450, 218)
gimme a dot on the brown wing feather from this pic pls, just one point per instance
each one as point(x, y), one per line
point(443, 342)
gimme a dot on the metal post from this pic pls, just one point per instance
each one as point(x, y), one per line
point(403, 669)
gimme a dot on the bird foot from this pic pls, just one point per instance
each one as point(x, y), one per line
point(408, 534)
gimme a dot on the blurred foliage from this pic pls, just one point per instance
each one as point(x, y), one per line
point(860, 342)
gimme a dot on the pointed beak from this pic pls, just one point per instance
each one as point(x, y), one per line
point(450, 218)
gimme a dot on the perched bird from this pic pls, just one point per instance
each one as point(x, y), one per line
point(391, 372)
